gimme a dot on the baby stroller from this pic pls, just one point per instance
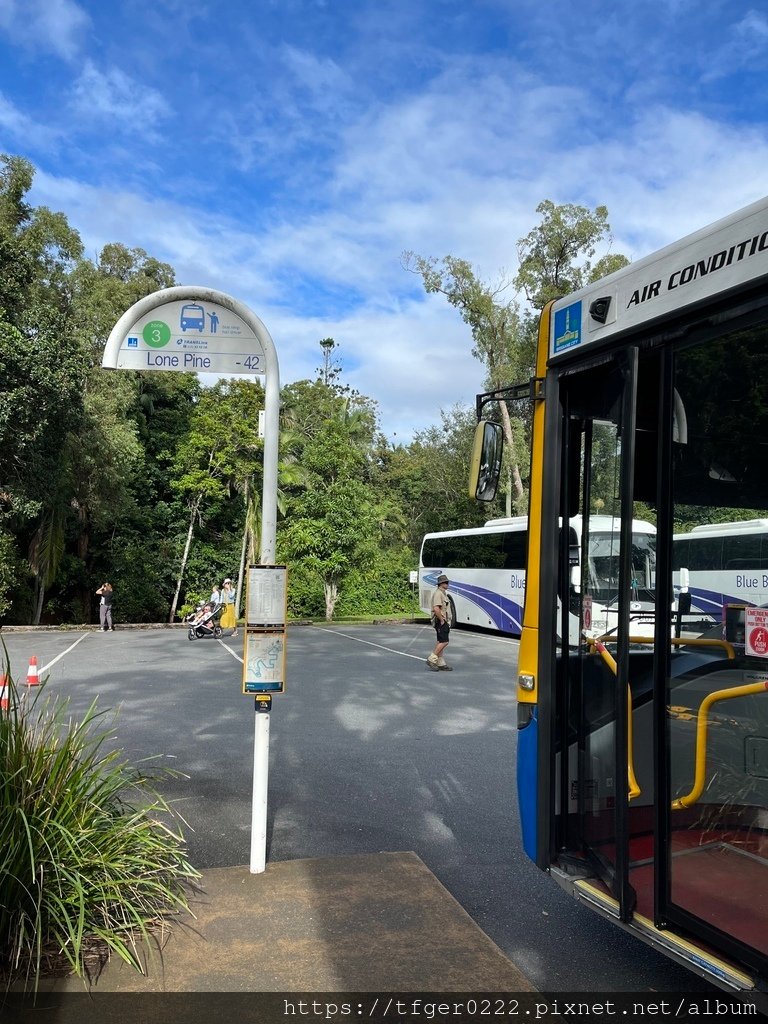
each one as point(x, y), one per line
point(195, 614)
point(207, 624)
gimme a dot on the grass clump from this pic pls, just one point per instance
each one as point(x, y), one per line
point(91, 858)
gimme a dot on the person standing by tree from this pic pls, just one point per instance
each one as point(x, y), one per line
point(228, 618)
point(105, 606)
point(441, 620)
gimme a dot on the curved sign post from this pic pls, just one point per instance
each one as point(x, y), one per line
point(199, 330)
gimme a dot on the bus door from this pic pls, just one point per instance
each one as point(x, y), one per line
point(714, 816)
point(597, 411)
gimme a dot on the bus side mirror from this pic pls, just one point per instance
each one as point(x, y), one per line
point(684, 602)
point(486, 461)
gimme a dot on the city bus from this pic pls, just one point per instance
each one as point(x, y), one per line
point(486, 566)
point(642, 761)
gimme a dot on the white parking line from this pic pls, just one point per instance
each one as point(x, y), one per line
point(59, 656)
point(416, 657)
point(230, 651)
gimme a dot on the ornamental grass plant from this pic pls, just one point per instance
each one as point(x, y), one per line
point(91, 856)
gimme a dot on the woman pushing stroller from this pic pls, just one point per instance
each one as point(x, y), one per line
point(229, 617)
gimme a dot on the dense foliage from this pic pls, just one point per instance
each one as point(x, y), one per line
point(153, 481)
point(90, 857)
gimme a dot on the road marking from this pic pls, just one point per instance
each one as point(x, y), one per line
point(418, 657)
point(230, 651)
point(59, 656)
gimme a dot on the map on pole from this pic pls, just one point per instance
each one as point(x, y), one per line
point(264, 668)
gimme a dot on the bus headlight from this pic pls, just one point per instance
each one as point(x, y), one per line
point(526, 681)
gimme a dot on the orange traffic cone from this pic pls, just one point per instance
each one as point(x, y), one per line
point(33, 679)
point(5, 692)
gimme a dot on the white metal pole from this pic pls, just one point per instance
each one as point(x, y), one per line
point(271, 448)
point(260, 779)
point(268, 545)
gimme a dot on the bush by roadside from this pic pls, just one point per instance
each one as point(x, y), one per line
point(91, 856)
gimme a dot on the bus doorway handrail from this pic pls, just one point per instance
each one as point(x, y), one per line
point(679, 641)
point(610, 661)
point(702, 727)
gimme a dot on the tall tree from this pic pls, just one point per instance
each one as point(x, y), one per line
point(41, 371)
point(221, 451)
point(503, 338)
point(555, 256)
point(554, 260)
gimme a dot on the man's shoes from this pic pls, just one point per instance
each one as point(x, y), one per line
point(432, 663)
point(445, 668)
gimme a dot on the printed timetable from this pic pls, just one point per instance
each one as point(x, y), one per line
point(267, 596)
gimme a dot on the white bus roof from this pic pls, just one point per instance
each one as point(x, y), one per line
point(731, 252)
point(606, 524)
point(744, 526)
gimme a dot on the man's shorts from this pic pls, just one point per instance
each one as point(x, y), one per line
point(443, 631)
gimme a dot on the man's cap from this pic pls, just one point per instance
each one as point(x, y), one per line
point(442, 579)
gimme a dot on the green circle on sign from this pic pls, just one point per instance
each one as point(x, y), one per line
point(156, 333)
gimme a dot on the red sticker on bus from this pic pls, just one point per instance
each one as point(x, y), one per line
point(758, 641)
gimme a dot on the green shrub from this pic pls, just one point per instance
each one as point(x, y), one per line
point(90, 856)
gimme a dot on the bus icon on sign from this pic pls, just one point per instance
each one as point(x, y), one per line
point(192, 317)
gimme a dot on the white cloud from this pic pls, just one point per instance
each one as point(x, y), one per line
point(53, 26)
point(114, 95)
point(21, 128)
point(456, 168)
point(322, 77)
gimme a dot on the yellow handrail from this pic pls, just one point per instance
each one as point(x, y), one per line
point(608, 658)
point(680, 641)
point(702, 721)
point(702, 726)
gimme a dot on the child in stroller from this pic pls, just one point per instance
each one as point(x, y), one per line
point(205, 622)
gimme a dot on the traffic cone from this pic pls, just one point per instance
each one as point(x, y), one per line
point(33, 679)
point(4, 693)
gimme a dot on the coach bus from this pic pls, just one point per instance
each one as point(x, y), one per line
point(643, 761)
point(486, 566)
point(724, 567)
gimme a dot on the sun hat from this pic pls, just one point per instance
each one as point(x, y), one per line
point(442, 579)
point(227, 580)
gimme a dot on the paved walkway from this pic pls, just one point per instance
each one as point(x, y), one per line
point(367, 923)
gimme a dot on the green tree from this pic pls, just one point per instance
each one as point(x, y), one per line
point(334, 517)
point(38, 249)
point(221, 451)
point(503, 338)
point(554, 260)
point(555, 256)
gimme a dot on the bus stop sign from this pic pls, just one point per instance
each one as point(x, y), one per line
point(193, 334)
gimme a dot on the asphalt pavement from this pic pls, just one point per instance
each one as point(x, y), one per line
point(371, 756)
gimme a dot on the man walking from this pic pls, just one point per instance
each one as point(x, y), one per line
point(441, 620)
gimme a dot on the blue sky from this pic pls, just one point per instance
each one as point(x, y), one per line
point(288, 152)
